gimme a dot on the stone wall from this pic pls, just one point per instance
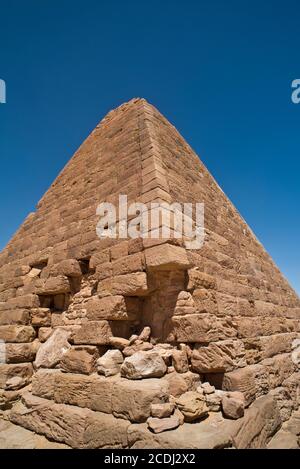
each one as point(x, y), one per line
point(113, 342)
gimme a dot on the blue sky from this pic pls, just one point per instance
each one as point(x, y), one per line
point(221, 71)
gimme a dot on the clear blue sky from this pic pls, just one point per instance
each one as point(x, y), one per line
point(221, 71)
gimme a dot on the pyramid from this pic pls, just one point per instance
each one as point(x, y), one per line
point(141, 342)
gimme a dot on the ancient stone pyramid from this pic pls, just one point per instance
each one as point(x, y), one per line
point(214, 332)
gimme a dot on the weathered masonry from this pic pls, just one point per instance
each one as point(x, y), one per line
point(140, 342)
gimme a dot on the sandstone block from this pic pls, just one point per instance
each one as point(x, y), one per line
point(69, 268)
point(80, 359)
point(119, 342)
point(101, 393)
point(199, 328)
point(20, 353)
point(166, 257)
point(27, 301)
point(73, 389)
point(134, 284)
point(43, 383)
point(93, 333)
point(242, 380)
point(105, 431)
point(132, 400)
point(180, 361)
point(17, 333)
point(198, 279)
point(64, 423)
point(179, 383)
point(260, 421)
point(279, 367)
point(14, 316)
point(51, 352)
point(22, 371)
point(218, 357)
point(99, 258)
point(41, 317)
point(109, 308)
point(128, 264)
point(54, 286)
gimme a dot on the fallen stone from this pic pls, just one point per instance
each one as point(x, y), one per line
point(180, 361)
point(159, 425)
point(162, 410)
point(143, 365)
point(192, 406)
point(110, 363)
point(208, 388)
point(145, 334)
point(259, 423)
point(233, 405)
point(119, 342)
point(136, 347)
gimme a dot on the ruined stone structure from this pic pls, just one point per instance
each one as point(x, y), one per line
point(140, 342)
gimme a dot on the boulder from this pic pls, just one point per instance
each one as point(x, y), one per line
point(51, 352)
point(110, 363)
point(233, 405)
point(143, 365)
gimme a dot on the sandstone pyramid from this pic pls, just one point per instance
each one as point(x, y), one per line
point(214, 332)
